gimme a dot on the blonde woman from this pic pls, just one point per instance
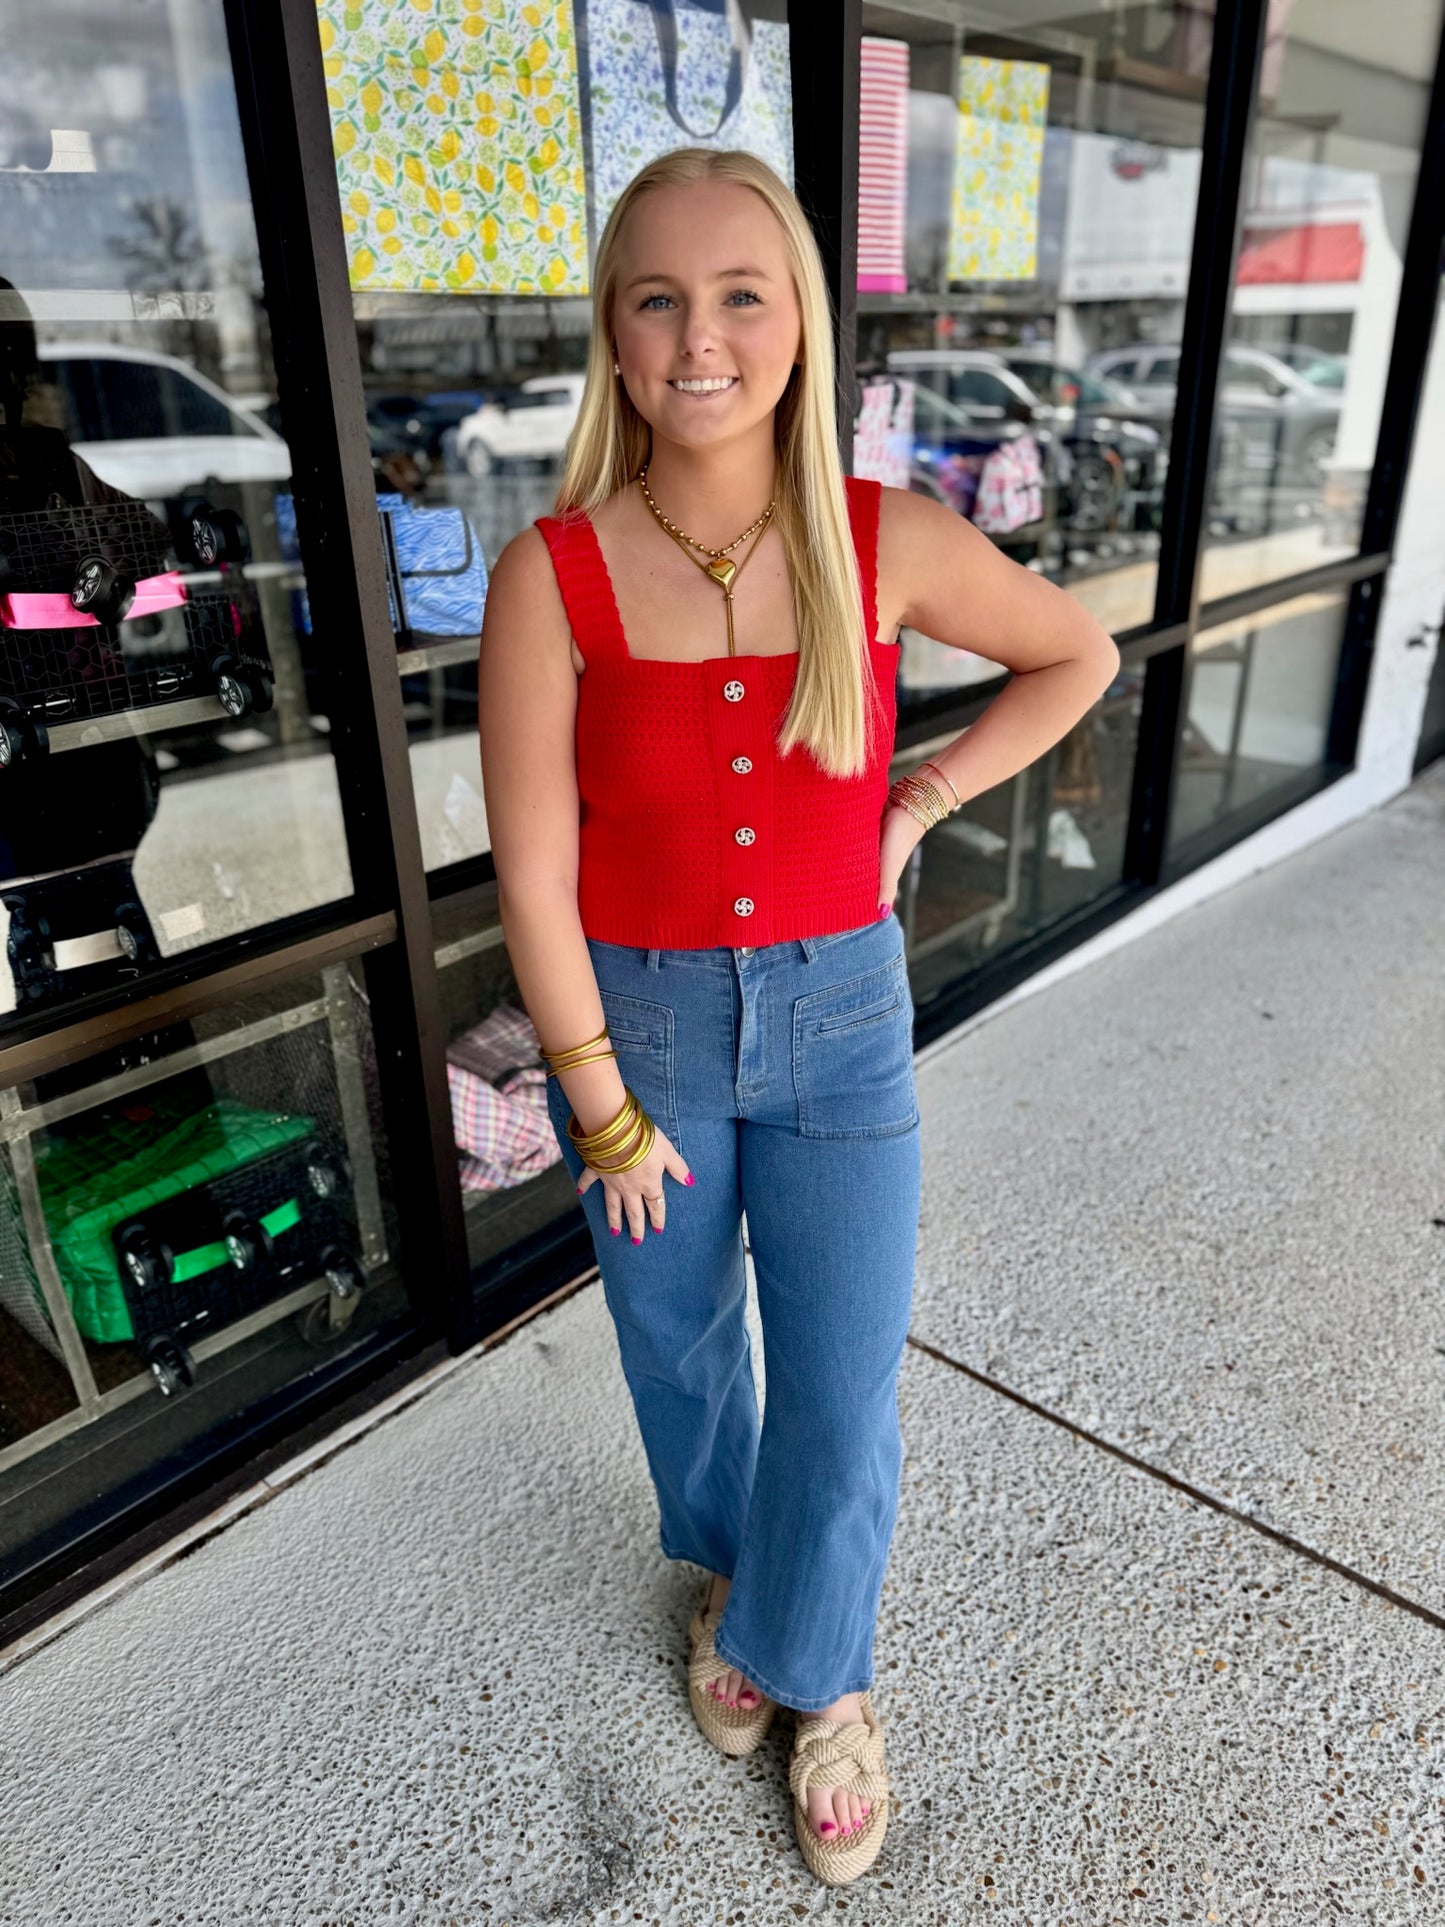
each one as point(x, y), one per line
point(687, 709)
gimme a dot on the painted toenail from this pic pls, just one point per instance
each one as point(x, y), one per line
point(827, 1827)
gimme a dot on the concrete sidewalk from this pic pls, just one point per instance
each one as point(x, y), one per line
point(1163, 1638)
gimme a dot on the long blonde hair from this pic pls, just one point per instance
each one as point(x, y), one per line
point(829, 711)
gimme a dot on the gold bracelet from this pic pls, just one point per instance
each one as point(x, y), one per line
point(596, 1058)
point(930, 764)
point(561, 1059)
point(620, 1144)
point(643, 1150)
point(639, 1133)
point(917, 814)
point(921, 798)
point(602, 1138)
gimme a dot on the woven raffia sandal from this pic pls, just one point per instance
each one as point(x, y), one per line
point(735, 1729)
point(849, 1755)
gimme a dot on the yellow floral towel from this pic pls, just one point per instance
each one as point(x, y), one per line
point(458, 144)
point(1002, 111)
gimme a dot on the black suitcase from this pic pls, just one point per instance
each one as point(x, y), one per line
point(109, 562)
point(170, 1219)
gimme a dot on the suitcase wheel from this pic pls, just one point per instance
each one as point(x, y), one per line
point(171, 1365)
point(21, 736)
point(344, 1275)
point(217, 535)
point(327, 1172)
point(100, 590)
point(133, 933)
point(148, 1260)
point(247, 1243)
point(325, 1319)
point(242, 692)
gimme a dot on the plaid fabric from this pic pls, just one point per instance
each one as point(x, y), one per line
point(498, 1089)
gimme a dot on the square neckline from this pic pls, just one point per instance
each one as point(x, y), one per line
point(700, 662)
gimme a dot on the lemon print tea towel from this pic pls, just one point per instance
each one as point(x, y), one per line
point(1002, 112)
point(458, 144)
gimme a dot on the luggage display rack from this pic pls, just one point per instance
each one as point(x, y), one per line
point(324, 1303)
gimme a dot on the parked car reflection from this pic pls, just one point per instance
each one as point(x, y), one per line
point(152, 426)
point(1320, 368)
point(531, 423)
point(1117, 464)
point(1276, 426)
point(426, 423)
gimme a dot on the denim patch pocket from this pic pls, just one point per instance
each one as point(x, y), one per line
point(641, 1032)
point(853, 1056)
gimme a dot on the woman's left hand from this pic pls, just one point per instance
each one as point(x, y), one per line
point(899, 836)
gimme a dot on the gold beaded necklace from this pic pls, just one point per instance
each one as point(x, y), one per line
point(722, 569)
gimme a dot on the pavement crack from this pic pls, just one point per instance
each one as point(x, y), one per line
point(1195, 1492)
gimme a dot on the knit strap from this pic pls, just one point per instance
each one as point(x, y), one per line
point(865, 505)
point(587, 592)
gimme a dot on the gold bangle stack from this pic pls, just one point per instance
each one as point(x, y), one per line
point(620, 1145)
point(627, 1139)
point(922, 799)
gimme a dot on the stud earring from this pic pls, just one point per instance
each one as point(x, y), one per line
point(616, 369)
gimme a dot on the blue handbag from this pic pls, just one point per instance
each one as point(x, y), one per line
point(436, 572)
point(440, 584)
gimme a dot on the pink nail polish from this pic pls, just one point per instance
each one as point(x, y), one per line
point(827, 1827)
point(659, 1229)
point(883, 910)
point(615, 1229)
point(688, 1179)
point(637, 1241)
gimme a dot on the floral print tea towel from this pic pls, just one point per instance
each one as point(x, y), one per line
point(458, 143)
point(683, 73)
point(1002, 112)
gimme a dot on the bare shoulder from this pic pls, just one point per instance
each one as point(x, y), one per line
point(907, 521)
point(524, 567)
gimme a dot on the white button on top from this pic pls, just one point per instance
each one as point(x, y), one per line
point(745, 835)
point(745, 950)
point(743, 906)
point(733, 691)
point(742, 764)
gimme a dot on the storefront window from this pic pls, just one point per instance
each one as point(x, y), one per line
point(1026, 853)
point(1260, 696)
point(1027, 183)
point(1328, 185)
point(188, 1223)
point(164, 759)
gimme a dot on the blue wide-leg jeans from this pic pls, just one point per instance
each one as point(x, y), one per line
point(784, 1076)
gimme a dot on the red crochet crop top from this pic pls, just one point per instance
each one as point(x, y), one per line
point(694, 832)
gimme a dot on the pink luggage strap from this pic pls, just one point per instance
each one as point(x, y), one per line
point(152, 593)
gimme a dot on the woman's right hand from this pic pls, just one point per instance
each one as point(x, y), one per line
point(628, 1192)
